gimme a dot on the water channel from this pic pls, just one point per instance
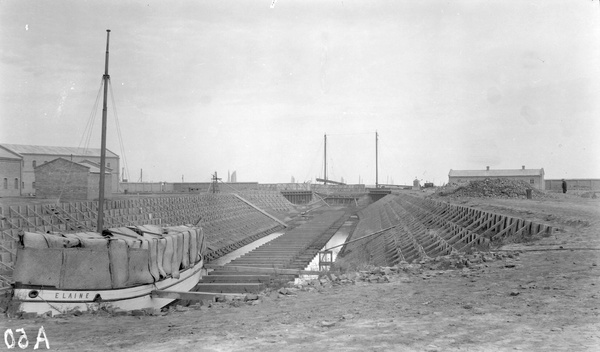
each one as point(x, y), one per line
point(336, 240)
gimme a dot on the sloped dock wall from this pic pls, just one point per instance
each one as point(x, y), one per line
point(429, 228)
point(228, 222)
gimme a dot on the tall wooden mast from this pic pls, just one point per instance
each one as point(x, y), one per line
point(105, 80)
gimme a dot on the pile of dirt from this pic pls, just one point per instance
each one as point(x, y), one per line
point(496, 188)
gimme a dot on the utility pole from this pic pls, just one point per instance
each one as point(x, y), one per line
point(215, 183)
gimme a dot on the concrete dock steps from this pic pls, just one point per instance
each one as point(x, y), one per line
point(236, 278)
point(287, 277)
point(266, 264)
point(261, 265)
point(288, 247)
point(223, 287)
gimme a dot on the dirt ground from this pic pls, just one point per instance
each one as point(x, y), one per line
point(539, 296)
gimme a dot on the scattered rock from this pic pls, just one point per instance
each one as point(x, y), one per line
point(118, 312)
point(251, 297)
point(235, 303)
point(197, 306)
point(284, 291)
point(152, 311)
point(327, 324)
point(29, 315)
point(138, 313)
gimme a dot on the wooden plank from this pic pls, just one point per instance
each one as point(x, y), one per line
point(192, 296)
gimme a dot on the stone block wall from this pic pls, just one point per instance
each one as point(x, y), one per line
point(9, 171)
point(62, 179)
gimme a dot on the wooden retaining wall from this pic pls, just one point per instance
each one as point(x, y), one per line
point(429, 228)
point(227, 221)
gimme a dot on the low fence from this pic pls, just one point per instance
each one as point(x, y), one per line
point(590, 184)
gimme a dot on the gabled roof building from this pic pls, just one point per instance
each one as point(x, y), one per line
point(10, 174)
point(534, 177)
point(35, 155)
point(67, 180)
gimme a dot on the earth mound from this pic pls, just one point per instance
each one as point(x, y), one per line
point(496, 188)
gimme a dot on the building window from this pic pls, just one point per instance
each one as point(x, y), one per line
point(5, 183)
point(16, 183)
point(34, 163)
point(107, 164)
point(22, 184)
point(532, 181)
point(33, 184)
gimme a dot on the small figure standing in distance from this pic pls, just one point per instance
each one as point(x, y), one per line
point(564, 185)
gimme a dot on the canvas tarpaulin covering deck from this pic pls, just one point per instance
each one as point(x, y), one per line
point(87, 260)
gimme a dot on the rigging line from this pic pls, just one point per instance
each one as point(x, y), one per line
point(89, 126)
point(316, 156)
point(93, 113)
point(112, 96)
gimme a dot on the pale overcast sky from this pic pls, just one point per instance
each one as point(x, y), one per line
point(205, 86)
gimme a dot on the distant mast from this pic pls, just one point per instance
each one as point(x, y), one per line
point(376, 160)
point(105, 79)
point(325, 161)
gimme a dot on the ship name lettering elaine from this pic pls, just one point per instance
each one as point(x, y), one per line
point(72, 295)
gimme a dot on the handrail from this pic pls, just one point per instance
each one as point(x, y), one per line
point(360, 238)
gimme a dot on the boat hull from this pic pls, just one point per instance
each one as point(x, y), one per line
point(42, 300)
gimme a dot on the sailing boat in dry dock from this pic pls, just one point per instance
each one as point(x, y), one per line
point(118, 267)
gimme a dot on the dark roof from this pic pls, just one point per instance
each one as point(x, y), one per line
point(66, 151)
point(92, 167)
point(496, 173)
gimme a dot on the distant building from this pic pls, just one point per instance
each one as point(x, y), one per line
point(67, 180)
point(534, 177)
point(33, 155)
point(11, 165)
point(417, 184)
